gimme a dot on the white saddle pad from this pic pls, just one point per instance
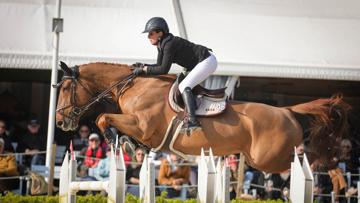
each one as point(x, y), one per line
point(206, 106)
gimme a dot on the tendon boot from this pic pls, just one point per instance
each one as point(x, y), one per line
point(110, 136)
point(189, 102)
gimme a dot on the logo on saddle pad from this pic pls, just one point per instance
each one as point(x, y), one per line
point(208, 102)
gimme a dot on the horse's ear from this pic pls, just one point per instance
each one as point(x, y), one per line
point(65, 68)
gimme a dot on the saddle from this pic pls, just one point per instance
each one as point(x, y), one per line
point(208, 102)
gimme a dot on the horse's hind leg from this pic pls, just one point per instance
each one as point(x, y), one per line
point(127, 124)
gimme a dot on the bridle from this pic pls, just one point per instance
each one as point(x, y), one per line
point(73, 75)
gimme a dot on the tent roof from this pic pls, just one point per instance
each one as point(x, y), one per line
point(266, 38)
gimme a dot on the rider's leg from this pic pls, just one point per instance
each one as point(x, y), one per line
point(200, 72)
point(190, 104)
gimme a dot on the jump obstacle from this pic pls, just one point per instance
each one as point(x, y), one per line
point(213, 182)
point(115, 186)
point(301, 181)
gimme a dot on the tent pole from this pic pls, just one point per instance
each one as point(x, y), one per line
point(57, 28)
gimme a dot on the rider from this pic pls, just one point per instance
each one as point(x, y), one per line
point(197, 59)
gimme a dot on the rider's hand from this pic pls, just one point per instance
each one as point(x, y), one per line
point(138, 71)
point(138, 68)
point(138, 65)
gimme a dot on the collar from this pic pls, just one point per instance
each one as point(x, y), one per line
point(166, 38)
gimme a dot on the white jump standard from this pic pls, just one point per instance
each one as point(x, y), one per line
point(115, 186)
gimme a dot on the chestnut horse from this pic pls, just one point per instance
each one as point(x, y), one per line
point(265, 134)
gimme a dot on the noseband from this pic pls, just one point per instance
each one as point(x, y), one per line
point(77, 111)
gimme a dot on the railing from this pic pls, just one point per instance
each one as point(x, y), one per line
point(332, 195)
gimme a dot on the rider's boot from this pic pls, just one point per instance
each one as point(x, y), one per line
point(190, 103)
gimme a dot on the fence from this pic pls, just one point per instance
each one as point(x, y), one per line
point(115, 187)
point(213, 183)
point(332, 195)
point(301, 181)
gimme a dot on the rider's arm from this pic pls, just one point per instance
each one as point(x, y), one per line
point(164, 61)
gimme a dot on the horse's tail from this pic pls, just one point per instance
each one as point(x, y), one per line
point(328, 125)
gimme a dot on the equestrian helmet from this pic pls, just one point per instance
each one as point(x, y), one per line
point(156, 23)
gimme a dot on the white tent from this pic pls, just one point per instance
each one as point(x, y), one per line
point(266, 38)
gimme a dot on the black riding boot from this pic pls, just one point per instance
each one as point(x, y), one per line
point(189, 102)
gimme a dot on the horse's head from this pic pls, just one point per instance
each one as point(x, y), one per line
point(80, 86)
point(74, 94)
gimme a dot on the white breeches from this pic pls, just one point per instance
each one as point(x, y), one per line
point(199, 73)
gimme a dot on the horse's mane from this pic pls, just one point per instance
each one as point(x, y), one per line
point(167, 77)
point(105, 64)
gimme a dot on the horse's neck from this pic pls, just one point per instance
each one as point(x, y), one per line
point(154, 87)
point(101, 80)
point(148, 93)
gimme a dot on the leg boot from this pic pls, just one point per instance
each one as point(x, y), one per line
point(110, 136)
point(189, 102)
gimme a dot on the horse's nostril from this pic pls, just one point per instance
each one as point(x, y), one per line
point(59, 123)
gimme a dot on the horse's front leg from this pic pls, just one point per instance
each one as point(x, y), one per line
point(127, 124)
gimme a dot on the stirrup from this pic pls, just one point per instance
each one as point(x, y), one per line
point(190, 127)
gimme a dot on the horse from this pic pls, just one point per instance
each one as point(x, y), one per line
point(266, 135)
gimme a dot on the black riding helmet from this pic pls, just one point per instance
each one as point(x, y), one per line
point(156, 23)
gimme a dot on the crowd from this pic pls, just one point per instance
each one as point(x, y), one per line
point(174, 175)
point(30, 142)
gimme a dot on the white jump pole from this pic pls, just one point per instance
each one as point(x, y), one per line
point(206, 178)
point(72, 177)
point(57, 28)
point(147, 181)
point(222, 183)
point(301, 181)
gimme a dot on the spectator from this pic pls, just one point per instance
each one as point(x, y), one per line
point(32, 143)
point(133, 172)
point(175, 176)
point(233, 162)
point(4, 134)
point(271, 182)
point(233, 165)
point(8, 168)
point(101, 171)
point(348, 161)
point(94, 151)
point(80, 140)
point(322, 183)
point(338, 182)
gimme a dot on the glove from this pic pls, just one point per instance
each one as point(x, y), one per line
point(138, 71)
point(138, 65)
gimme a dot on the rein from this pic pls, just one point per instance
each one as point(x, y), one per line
point(78, 111)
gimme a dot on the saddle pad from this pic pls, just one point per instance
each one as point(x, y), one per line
point(206, 106)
